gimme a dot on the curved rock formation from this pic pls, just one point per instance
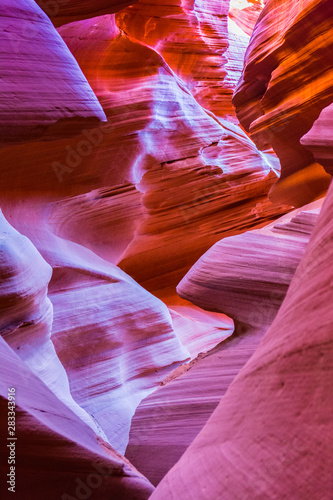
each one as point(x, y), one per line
point(115, 340)
point(247, 276)
point(196, 41)
point(43, 91)
point(285, 84)
point(196, 178)
point(66, 11)
point(271, 435)
point(54, 451)
point(26, 314)
point(232, 276)
point(319, 139)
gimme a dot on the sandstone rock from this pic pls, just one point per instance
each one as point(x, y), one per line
point(247, 276)
point(115, 340)
point(285, 84)
point(66, 11)
point(167, 421)
point(194, 39)
point(55, 452)
point(319, 139)
point(43, 92)
point(26, 314)
point(198, 178)
point(270, 436)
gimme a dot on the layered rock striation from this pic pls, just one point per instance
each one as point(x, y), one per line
point(43, 91)
point(285, 84)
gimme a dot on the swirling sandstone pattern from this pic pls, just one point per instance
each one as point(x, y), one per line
point(271, 435)
point(56, 452)
point(122, 159)
point(248, 280)
point(247, 276)
point(290, 38)
point(43, 91)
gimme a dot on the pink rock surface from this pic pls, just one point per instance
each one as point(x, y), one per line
point(27, 314)
point(43, 91)
point(319, 139)
point(167, 421)
point(55, 452)
point(271, 436)
point(247, 276)
point(115, 340)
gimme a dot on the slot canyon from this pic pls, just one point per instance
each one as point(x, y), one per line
point(166, 229)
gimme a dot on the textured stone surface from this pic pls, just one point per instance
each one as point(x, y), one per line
point(271, 435)
point(27, 314)
point(286, 82)
point(142, 197)
point(319, 139)
point(196, 41)
point(43, 91)
point(56, 452)
point(67, 11)
point(115, 340)
point(195, 178)
point(247, 276)
point(167, 421)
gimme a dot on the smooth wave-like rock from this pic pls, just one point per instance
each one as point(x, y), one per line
point(166, 422)
point(271, 435)
point(43, 91)
point(27, 313)
point(319, 139)
point(196, 178)
point(197, 42)
point(247, 276)
point(210, 203)
point(285, 84)
point(66, 11)
point(54, 451)
point(115, 340)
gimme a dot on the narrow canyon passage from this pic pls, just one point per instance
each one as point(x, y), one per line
point(165, 249)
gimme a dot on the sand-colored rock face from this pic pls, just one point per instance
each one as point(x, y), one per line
point(245, 13)
point(43, 91)
point(274, 423)
point(285, 84)
point(55, 451)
